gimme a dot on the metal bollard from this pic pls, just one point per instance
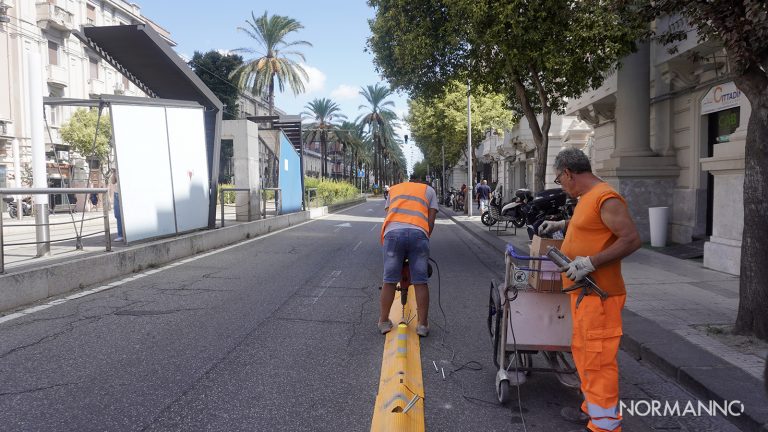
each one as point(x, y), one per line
point(221, 200)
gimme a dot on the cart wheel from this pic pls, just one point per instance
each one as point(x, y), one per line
point(503, 391)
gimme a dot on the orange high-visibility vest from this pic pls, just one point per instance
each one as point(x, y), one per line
point(587, 235)
point(408, 204)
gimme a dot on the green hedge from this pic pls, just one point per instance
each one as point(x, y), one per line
point(229, 197)
point(330, 191)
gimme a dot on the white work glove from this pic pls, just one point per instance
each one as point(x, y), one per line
point(551, 227)
point(578, 268)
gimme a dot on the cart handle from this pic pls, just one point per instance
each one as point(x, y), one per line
point(513, 254)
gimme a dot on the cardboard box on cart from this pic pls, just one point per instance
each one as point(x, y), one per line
point(545, 275)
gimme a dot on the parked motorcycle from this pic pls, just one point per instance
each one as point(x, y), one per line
point(26, 206)
point(512, 211)
point(546, 205)
point(449, 197)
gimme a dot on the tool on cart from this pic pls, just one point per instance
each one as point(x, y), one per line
point(587, 285)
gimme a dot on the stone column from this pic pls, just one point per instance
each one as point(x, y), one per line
point(245, 146)
point(644, 179)
point(633, 106)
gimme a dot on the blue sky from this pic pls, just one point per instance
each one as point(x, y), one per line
point(337, 29)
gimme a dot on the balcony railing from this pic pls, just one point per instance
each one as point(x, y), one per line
point(96, 86)
point(55, 17)
point(57, 75)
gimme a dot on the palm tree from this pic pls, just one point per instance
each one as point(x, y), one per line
point(325, 113)
point(379, 120)
point(353, 139)
point(272, 60)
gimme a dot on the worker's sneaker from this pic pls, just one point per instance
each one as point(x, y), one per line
point(385, 327)
point(574, 415)
point(422, 330)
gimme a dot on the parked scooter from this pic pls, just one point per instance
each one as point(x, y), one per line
point(26, 206)
point(450, 196)
point(512, 211)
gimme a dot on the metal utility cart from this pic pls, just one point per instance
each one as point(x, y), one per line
point(524, 321)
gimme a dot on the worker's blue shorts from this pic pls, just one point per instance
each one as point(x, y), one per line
point(408, 243)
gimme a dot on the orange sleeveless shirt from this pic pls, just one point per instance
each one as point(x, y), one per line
point(587, 235)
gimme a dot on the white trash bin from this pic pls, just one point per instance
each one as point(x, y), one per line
point(658, 218)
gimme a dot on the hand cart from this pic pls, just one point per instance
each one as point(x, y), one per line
point(524, 321)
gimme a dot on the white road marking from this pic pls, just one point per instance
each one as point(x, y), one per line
point(373, 227)
point(357, 245)
point(326, 283)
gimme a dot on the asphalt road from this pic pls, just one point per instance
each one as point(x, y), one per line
point(278, 333)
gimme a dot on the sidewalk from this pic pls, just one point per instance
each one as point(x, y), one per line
point(677, 317)
point(63, 231)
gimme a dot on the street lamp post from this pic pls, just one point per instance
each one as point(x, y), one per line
point(442, 173)
point(468, 192)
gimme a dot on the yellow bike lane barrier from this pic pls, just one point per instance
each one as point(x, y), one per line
point(400, 401)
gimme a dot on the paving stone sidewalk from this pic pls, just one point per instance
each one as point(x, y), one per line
point(678, 316)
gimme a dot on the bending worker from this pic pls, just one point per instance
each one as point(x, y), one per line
point(411, 210)
point(600, 233)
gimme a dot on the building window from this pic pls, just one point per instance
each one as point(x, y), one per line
point(126, 83)
point(91, 14)
point(94, 68)
point(53, 53)
point(54, 112)
point(722, 124)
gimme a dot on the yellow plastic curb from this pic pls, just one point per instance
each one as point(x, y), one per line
point(400, 401)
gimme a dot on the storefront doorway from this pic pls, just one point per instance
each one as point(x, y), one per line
point(720, 126)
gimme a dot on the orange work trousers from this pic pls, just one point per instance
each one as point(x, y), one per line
point(595, 345)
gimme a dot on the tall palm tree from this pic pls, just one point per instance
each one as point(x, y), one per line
point(353, 139)
point(272, 60)
point(378, 119)
point(325, 115)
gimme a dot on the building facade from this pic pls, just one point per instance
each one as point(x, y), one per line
point(71, 70)
point(670, 131)
point(509, 159)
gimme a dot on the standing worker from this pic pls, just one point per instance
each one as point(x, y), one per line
point(600, 233)
point(411, 211)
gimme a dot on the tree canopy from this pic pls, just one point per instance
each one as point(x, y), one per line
point(217, 71)
point(275, 58)
point(442, 121)
point(537, 53)
point(79, 132)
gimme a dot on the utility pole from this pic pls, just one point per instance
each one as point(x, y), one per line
point(35, 77)
point(467, 200)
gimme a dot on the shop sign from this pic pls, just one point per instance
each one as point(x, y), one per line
point(721, 97)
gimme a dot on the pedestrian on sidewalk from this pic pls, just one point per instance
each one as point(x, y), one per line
point(116, 205)
point(476, 190)
point(483, 195)
point(411, 211)
point(598, 236)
